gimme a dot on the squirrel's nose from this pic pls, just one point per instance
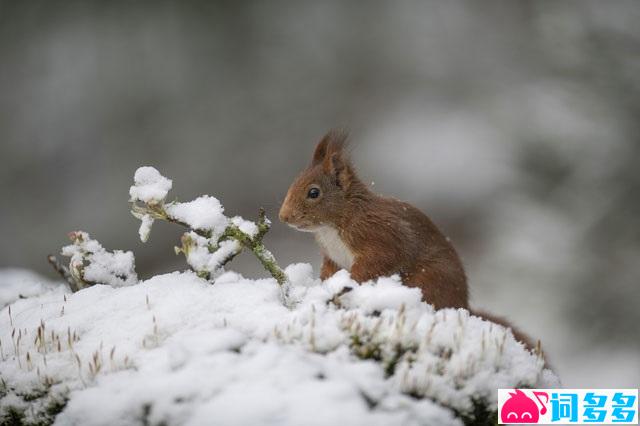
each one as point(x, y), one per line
point(285, 214)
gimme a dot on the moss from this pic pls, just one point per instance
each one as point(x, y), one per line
point(34, 394)
point(12, 416)
point(54, 406)
point(481, 415)
point(4, 389)
point(364, 347)
point(46, 414)
point(146, 412)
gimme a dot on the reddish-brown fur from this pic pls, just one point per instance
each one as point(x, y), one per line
point(384, 235)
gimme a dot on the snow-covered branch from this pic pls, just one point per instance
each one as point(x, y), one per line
point(90, 264)
point(213, 239)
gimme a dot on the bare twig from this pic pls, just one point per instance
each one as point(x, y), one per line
point(64, 272)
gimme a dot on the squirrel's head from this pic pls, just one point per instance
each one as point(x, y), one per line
point(319, 195)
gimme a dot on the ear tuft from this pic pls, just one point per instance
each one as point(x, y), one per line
point(332, 143)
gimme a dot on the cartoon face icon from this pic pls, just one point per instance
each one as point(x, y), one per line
point(519, 408)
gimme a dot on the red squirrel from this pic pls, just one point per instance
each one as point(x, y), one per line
point(370, 235)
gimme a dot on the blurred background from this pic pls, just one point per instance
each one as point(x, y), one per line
point(514, 125)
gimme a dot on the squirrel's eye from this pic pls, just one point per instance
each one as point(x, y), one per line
point(313, 193)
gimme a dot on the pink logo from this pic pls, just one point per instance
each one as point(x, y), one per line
point(519, 408)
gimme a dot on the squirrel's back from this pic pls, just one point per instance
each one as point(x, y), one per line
point(393, 237)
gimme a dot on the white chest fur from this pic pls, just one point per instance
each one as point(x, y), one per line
point(334, 247)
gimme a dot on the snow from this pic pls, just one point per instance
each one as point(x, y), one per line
point(300, 274)
point(146, 221)
point(201, 258)
point(175, 349)
point(204, 213)
point(246, 226)
point(20, 283)
point(92, 263)
point(384, 294)
point(149, 186)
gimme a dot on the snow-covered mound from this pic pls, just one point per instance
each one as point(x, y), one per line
point(18, 283)
point(177, 350)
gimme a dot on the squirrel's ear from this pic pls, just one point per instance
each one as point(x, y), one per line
point(332, 142)
point(337, 165)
